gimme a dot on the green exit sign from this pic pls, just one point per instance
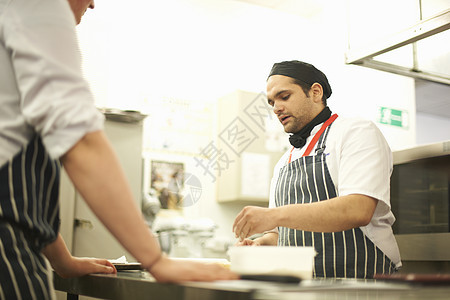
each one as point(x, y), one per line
point(393, 117)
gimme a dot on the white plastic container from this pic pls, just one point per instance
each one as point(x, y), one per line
point(272, 260)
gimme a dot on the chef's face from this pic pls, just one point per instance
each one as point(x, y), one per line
point(79, 7)
point(292, 106)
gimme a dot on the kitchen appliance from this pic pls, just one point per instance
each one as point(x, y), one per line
point(184, 238)
point(83, 232)
point(420, 200)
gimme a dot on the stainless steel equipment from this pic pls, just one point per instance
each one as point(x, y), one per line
point(420, 201)
point(182, 238)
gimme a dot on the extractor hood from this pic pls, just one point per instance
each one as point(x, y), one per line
point(424, 46)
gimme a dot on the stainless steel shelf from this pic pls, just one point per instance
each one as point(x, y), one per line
point(365, 56)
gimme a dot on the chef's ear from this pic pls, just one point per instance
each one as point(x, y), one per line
point(316, 92)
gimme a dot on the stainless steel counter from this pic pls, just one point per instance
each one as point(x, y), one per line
point(137, 285)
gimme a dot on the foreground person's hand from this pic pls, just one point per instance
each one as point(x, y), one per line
point(66, 265)
point(169, 270)
point(80, 266)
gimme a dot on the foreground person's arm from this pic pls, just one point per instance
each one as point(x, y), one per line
point(96, 173)
point(67, 265)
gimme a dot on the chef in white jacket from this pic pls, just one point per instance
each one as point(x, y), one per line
point(331, 190)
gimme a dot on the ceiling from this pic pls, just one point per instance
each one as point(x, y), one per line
point(431, 98)
point(302, 8)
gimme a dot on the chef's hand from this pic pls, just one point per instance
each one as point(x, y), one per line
point(252, 220)
point(247, 242)
point(169, 270)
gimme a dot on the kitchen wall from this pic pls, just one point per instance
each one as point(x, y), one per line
point(432, 129)
point(199, 50)
point(433, 112)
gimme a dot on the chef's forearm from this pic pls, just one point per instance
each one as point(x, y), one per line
point(96, 173)
point(337, 214)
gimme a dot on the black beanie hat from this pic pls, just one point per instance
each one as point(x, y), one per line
point(304, 72)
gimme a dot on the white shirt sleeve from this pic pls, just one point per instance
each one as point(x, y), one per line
point(55, 99)
point(365, 162)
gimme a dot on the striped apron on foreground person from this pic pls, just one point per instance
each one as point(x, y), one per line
point(29, 220)
point(345, 254)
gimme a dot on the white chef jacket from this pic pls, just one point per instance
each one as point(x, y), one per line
point(42, 89)
point(360, 162)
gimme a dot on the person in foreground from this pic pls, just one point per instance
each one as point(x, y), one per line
point(48, 117)
point(332, 189)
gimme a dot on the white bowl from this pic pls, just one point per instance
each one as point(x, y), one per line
point(272, 260)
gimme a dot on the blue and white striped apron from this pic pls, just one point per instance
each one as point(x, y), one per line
point(29, 220)
point(345, 254)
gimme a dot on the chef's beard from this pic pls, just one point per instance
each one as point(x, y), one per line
point(298, 139)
